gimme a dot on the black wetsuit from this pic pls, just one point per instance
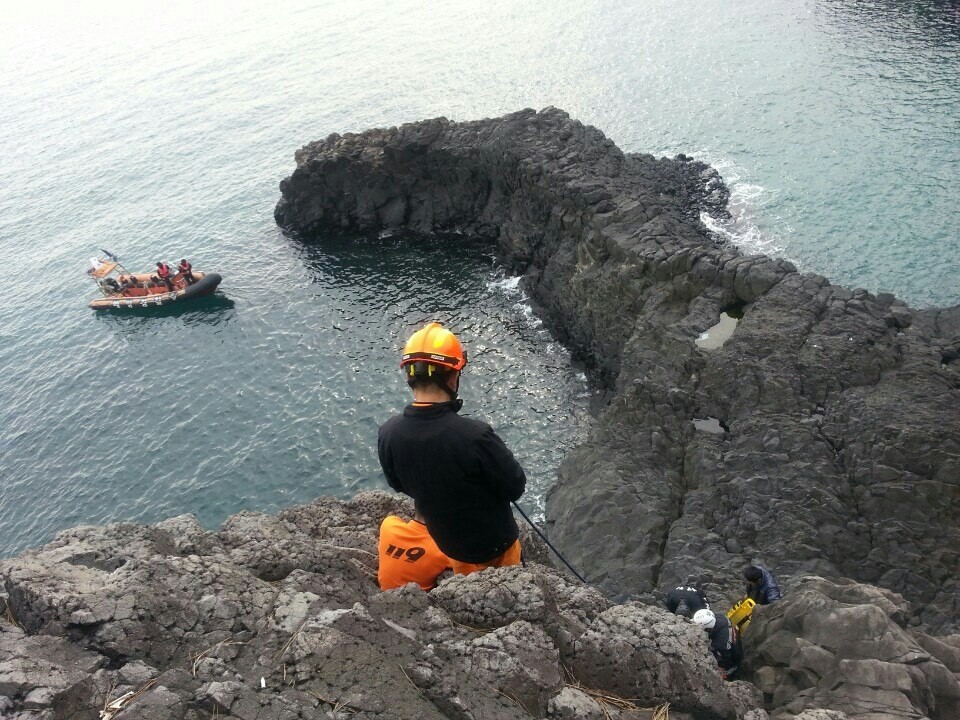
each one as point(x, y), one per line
point(460, 474)
point(725, 645)
point(693, 597)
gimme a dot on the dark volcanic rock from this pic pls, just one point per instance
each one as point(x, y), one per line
point(841, 454)
point(277, 618)
point(841, 645)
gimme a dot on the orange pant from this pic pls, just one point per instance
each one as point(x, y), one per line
point(510, 557)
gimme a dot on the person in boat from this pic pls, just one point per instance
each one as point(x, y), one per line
point(186, 270)
point(762, 586)
point(110, 285)
point(725, 643)
point(686, 600)
point(408, 554)
point(165, 275)
point(130, 286)
point(459, 472)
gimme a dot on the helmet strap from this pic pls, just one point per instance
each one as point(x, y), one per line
point(421, 372)
point(452, 391)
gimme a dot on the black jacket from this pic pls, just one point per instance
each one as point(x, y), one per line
point(460, 474)
point(725, 643)
point(693, 597)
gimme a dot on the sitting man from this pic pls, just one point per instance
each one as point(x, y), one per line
point(110, 285)
point(724, 641)
point(460, 474)
point(761, 586)
point(685, 601)
point(407, 554)
point(127, 282)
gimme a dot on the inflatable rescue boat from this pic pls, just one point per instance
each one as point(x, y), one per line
point(141, 290)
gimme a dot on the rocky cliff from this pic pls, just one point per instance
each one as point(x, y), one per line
point(280, 618)
point(822, 437)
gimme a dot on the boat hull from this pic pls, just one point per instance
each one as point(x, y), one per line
point(206, 284)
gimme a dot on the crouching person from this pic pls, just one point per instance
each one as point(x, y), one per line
point(761, 587)
point(685, 600)
point(407, 554)
point(724, 641)
point(460, 474)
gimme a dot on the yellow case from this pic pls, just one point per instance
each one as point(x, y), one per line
point(739, 614)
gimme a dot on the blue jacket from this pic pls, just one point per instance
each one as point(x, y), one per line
point(766, 591)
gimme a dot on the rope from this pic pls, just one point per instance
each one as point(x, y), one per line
point(549, 545)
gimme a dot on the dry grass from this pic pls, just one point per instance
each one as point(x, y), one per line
point(337, 705)
point(471, 628)
point(410, 680)
point(12, 619)
point(662, 712)
point(107, 700)
point(347, 549)
point(282, 651)
point(515, 700)
point(364, 569)
point(607, 700)
point(270, 617)
point(127, 700)
point(195, 659)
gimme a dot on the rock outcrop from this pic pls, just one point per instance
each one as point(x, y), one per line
point(280, 618)
point(835, 442)
point(842, 645)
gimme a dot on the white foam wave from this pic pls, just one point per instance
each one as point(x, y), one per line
point(746, 198)
point(526, 312)
point(508, 285)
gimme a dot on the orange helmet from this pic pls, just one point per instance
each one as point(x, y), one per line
point(434, 345)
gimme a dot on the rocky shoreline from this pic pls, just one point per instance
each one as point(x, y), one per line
point(836, 448)
point(821, 438)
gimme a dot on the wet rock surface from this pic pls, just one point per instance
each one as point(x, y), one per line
point(280, 617)
point(840, 454)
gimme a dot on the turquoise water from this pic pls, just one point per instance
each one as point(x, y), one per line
point(159, 132)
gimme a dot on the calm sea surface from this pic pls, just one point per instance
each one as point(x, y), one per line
point(161, 130)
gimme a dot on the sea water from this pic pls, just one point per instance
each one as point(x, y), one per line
point(160, 131)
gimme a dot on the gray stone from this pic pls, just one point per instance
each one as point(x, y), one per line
point(203, 635)
point(836, 646)
point(649, 654)
point(39, 698)
point(573, 704)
